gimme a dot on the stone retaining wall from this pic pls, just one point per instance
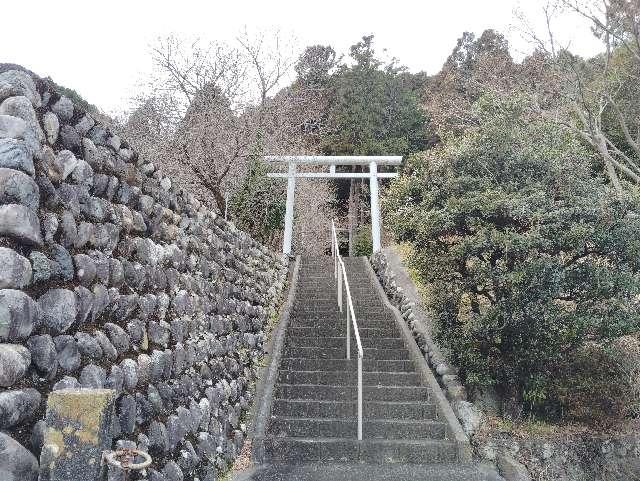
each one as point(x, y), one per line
point(112, 276)
point(563, 457)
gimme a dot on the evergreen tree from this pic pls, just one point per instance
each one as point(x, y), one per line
point(374, 111)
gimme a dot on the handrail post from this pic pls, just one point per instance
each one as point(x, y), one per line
point(333, 248)
point(348, 328)
point(359, 398)
point(340, 292)
point(333, 252)
point(336, 249)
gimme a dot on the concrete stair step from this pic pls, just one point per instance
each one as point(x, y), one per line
point(355, 471)
point(322, 331)
point(359, 309)
point(326, 392)
point(340, 317)
point(333, 304)
point(326, 296)
point(381, 451)
point(340, 352)
point(334, 311)
point(349, 378)
point(322, 282)
point(363, 323)
point(340, 342)
point(312, 278)
point(324, 279)
point(315, 284)
point(325, 289)
point(341, 326)
point(416, 410)
point(332, 308)
point(307, 295)
point(336, 315)
point(295, 427)
point(368, 365)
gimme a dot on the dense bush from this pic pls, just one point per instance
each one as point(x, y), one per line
point(528, 254)
point(258, 206)
point(77, 99)
point(595, 384)
point(362, 243)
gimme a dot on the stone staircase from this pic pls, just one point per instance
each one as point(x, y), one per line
point(314, 409)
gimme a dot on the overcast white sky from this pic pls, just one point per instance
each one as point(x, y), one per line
point(101, 49)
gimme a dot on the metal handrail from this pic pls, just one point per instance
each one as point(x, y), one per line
point(340, 274)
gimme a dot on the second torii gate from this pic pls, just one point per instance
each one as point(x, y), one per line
point(332, 161)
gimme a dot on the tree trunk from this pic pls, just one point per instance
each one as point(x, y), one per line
point(613, 176)
point(214, 188)
point(609, 167)
point(217, 193)
point(359, 207)
point(363, 203)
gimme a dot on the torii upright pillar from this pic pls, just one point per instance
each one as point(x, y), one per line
point(375, 206)
point(332, 162)
point(288, 215)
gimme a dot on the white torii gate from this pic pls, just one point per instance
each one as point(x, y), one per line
point(332, 162)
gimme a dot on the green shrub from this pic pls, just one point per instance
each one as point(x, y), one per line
point(529, 256)
point(258, 206)
point(362, 243)
point(77, 99)
point(593, 385)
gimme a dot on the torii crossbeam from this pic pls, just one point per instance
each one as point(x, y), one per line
point(332, 161)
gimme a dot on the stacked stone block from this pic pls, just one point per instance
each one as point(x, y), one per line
point(113, 277)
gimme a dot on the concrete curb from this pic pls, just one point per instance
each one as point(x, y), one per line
point(269, 375)
point(455, 431)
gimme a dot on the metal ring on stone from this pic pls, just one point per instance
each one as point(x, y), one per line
point(119, 459)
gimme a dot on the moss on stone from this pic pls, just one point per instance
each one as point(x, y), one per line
point(84, 408)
